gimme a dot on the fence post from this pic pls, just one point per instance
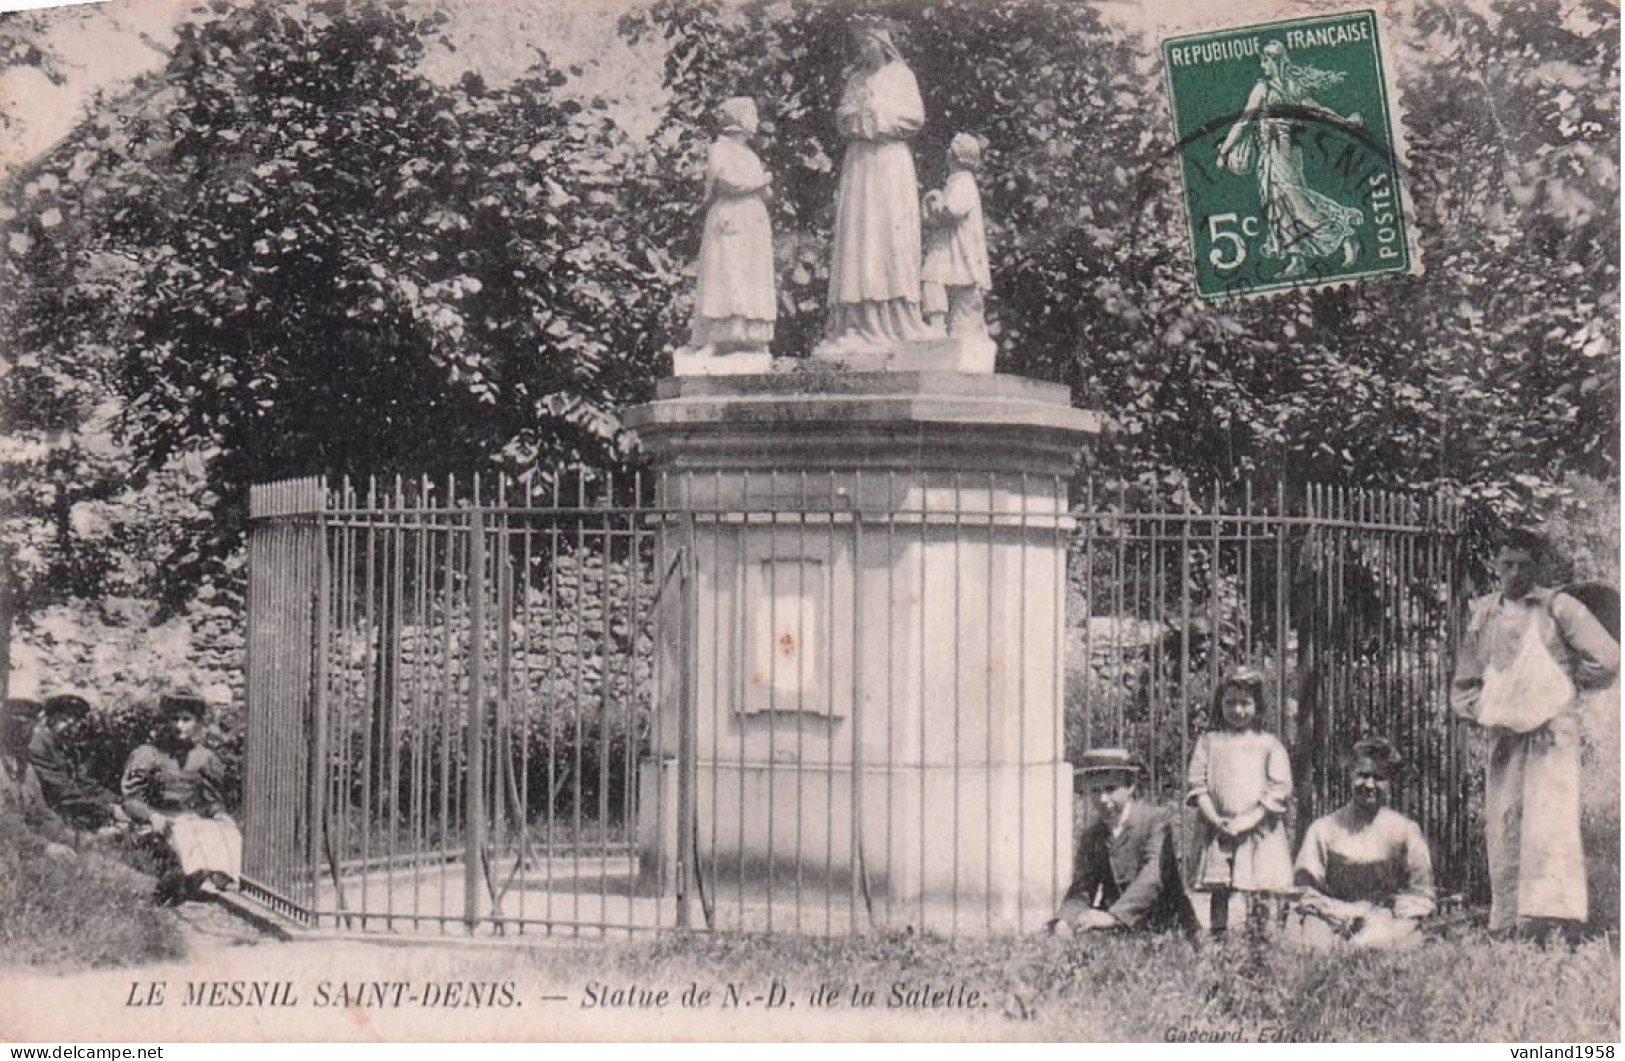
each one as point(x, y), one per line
point(285, 594)
point(687, 738)
point(474, 811)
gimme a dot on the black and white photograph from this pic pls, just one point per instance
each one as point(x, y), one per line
point(539, 521)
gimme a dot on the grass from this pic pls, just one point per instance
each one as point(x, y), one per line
point(1127, 988)
point(84, 912)
point(95, 912)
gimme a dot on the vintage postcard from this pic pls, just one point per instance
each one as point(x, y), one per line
point(590, 520)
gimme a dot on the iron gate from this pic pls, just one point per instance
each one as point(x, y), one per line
point(456, 695)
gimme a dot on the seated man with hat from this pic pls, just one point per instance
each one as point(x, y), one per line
point(68, 792)
point(173, 785)
point(1126, 874)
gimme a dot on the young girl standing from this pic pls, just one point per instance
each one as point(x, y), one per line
point(1240, 779)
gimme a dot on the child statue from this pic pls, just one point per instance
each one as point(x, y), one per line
point(734, 305)
point(955, 275)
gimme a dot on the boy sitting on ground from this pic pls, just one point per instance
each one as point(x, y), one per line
point(1126, 873)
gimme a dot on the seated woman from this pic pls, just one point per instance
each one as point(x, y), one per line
point(1364, 869)
point(173, 785)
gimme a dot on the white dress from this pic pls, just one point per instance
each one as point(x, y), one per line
point(1240, 770)
point(1532, 779)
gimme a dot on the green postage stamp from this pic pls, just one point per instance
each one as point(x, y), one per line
point(1289, 152)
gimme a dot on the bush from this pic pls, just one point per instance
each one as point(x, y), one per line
point(576, 658)
point(87, 911)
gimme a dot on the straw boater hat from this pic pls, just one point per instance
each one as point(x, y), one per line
point(20, 708)
point(1108, 763)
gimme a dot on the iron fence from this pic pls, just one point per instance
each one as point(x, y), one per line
point(811, 703)
point(1347, 601)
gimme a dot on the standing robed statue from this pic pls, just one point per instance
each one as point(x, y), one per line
point(874, 282)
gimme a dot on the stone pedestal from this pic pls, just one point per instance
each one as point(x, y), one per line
point(687, 362)
point(871, 634)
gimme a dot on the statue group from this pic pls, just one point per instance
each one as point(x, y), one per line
point(905, 273)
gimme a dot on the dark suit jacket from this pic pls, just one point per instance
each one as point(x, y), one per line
point(1133, 876)
point(67, 791)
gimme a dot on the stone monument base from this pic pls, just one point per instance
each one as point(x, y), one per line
point(970, 356)
point(964, 355)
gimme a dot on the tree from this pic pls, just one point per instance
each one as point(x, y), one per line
point(1062, 133)
point(292, 253)
point(25, 543)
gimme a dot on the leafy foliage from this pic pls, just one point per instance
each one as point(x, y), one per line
point(576, 666)
point(1061, 134)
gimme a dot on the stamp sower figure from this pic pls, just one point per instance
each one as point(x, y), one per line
point(71, 795)
point(1526, 655)
point(734, 306)
point(1126, 874)
point(173, 785)
point(955, 273)
point(874, 277)
point(1240, 778)
point(1300, 222)
point(19, 786)
point(1364, 869)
